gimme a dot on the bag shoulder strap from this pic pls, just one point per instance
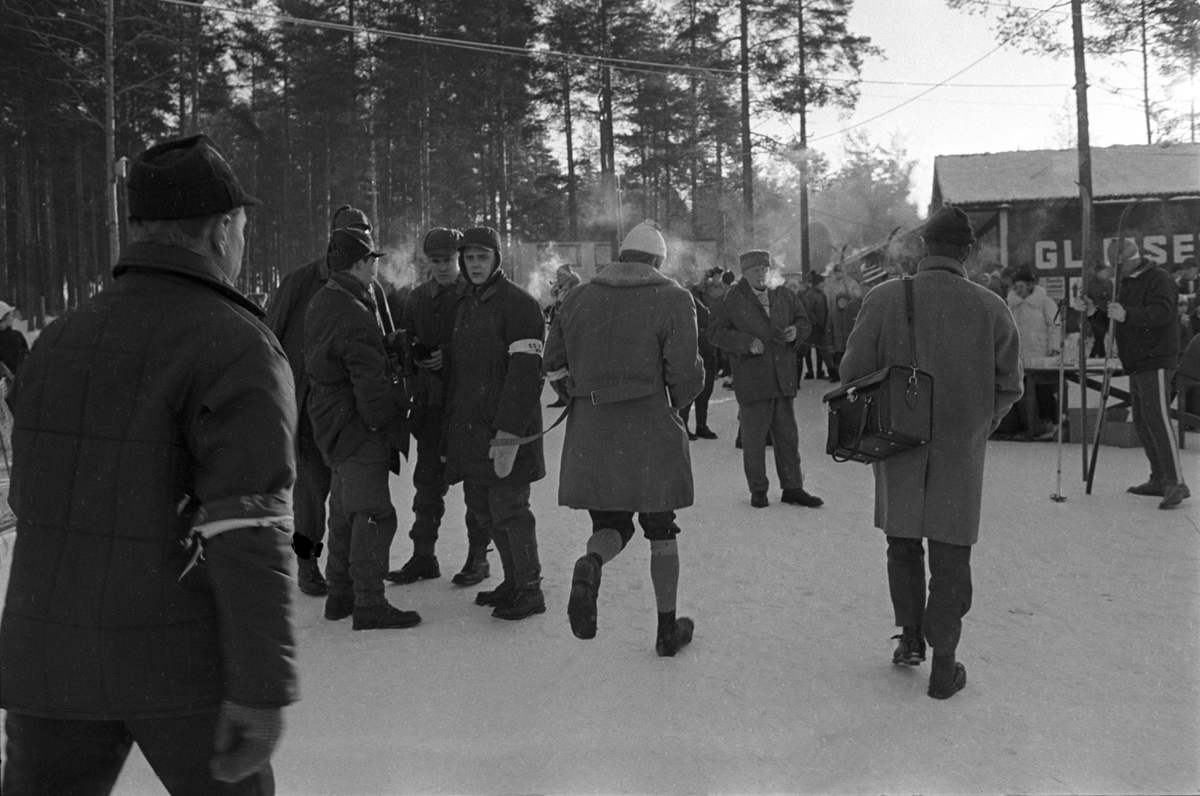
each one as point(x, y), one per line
point(908, 312)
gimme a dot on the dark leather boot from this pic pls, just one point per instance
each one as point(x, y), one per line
point(496, 596)
point(911, 649)
point(523, 603)
point(308, 575)
point(585, 586)
point(339, 606)
point(946, 677)
point(378, 617)
point(476, 570)
point(415, 569)
point(674, 639)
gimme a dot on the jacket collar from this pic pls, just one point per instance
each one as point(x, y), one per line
point(487, 289)
point(631, 275)
point(939, 263)
point(166, 258)
point(339, 280)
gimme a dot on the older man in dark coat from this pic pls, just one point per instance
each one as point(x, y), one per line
point(286, 315)
point(149, 598)
point(493, 429)
point(761, 327)
point(626, 345)
point(967, 340)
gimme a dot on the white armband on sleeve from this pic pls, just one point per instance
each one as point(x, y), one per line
point(528, 346)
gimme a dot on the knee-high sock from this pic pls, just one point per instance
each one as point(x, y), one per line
point(664, 573)
point(605, 543)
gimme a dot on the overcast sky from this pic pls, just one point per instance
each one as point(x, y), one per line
point(924, 41)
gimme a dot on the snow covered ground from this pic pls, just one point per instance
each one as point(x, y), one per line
point(1082, 651)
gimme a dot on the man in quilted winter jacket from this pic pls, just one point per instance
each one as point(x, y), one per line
point(149, 598)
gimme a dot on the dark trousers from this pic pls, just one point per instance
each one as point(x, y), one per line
point(949, 598)
point(776, 417)
point(313, 478)
point(362, 523)
point(701, 402)
point(57, 757)
point(504, 513)
point(658, 526)
point(430, 488)
point(1148, 392)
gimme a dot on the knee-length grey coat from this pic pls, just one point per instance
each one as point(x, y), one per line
point(968, 342)
point(628, 339)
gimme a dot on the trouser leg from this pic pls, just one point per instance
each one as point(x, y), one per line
point(368, 504)
point(950, 593)
point(786, 438)
point(906, 580)
point(313, 478)
point(755, 424)
point(685, 413)
point(1152, 419)
point(429, 490)
point(337, 568)
point(476, 498)
point(710, 378)
point(512, 518)
point(47, 757)
point(180, 749)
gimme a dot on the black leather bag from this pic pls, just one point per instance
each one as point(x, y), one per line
point(885, 413)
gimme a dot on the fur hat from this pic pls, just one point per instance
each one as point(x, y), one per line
point(949, 225)
point(755, 258)
point(347, 246)
point(442, 242)
point(183, 178)
point(646, 237)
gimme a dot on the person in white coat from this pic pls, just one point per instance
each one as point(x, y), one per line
point(1038, 323)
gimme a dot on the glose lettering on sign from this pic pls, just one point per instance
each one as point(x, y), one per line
point(1060, 255)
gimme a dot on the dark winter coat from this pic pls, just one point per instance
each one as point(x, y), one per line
point(165, 387)
point(13, 348)
point(352, 391)
point(814, 303)
point(287, 312)
point(738, 319)
point(628, 340)
point(967, 341)
point(493, 388)
point(1148, 338)
point(703, 314)
point(429, 320)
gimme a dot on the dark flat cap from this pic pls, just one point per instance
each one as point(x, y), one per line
point(756, 258)
point(485, 237)
point(347, 246)
point(442, 242)
point(183, 178)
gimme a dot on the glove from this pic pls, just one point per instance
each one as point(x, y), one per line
point(503, 456)
point(756, 347)
point(244, 740)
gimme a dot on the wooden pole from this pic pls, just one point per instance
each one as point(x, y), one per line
point(110, 136)
point(747, 153)
point(1085, 201)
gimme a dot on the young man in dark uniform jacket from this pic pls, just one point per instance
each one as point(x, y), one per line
point(285, 316)
point(1147, 336)
point(495, 394)
point(429, 321)
point(358, 410)
point(149, 598)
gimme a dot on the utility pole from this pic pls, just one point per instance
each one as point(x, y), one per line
point(110, 136)
point(1085, 204)
point(805, 264)
point(747, 154)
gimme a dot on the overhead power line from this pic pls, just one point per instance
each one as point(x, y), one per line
point(626, 64)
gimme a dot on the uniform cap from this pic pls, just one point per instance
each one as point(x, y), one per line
point(347, 216)
point(183, 178)
point(645, 237)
